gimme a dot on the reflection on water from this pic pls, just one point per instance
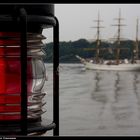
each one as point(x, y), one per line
point(98, 102)
point(119, 95)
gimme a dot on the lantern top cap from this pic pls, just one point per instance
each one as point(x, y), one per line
point(39, 16)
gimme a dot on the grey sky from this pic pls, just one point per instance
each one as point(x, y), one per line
point(76, 19)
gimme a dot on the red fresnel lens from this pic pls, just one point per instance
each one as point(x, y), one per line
point(10, 76)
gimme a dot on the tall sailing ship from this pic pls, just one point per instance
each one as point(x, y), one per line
point(117, 64)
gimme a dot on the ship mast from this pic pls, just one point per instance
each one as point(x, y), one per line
point(118, 37)
point(136, 46)
point(137, 41)
point(98, 40)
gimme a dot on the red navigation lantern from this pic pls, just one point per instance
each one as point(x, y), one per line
point(21, 96)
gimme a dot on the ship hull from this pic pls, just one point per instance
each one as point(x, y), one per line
point(120, 67)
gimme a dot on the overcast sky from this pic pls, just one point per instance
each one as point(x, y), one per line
point(76, 20)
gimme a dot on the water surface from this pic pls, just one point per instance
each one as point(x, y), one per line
point(96, 102)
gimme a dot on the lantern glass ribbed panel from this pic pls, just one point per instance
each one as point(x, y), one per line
point(10, 76)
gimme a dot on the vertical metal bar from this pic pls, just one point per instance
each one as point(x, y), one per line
point(56, 77)
point(23, 60)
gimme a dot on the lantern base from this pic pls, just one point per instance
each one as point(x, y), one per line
point(34, 128)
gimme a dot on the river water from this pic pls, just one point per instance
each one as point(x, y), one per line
point(95, 102)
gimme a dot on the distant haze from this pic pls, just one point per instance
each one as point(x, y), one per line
point(76, 19)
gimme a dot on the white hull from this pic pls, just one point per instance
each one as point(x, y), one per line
point(120, 67)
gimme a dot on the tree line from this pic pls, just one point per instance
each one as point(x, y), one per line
point(68, 50)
